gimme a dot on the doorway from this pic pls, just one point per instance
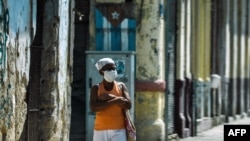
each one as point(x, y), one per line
point(30, 132)
point(78, 96)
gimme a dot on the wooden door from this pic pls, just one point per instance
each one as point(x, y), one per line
point(31, 131)
point(33, 95)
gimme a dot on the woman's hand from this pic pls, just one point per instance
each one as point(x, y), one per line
point(106, 97)
point(122, 102)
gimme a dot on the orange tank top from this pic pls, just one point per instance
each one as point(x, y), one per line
point(112, 117)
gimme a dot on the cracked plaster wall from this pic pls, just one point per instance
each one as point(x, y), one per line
point(149, 69)
point(56, 73)
point(18, 27)
point(150, 48)
point(14, 62)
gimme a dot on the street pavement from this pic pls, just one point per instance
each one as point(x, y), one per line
point(216, 133)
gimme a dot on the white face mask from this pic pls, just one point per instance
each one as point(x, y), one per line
point(110, 75)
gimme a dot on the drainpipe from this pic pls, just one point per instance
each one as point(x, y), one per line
point(170, 7)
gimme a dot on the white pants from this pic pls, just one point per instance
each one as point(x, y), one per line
point(110, 135)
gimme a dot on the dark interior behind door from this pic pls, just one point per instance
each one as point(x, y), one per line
point(77, 129)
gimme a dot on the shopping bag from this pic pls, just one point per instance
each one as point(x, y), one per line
point(130, 127)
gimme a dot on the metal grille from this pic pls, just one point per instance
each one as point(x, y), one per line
point(171, 81)
point(170, 38)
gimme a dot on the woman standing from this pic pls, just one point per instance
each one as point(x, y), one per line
point(109, 99)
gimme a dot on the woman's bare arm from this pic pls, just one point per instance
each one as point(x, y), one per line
point(126, 101)
point(99, 103)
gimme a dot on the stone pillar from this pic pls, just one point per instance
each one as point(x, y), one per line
point(150, 84)
point(180, 120)
point(241, 61)
point(226, 78)
point(56, 73)
point(179, 115)
point(233, 59)
point(149, 114)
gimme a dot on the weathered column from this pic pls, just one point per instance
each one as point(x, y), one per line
point(221, 51)
point(150, 84)
point(233, 59)
point(201, 62)
point(226, 69)
point(241, 59)
point(16, 36)
point(207, 51)
point(56, 72)
point(187, 66)
point(180, 81)
point(199, 35)
point(180, 84)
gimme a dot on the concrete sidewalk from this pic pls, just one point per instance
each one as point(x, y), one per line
point(216, 133)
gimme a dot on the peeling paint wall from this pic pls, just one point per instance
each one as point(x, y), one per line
point(56, 72)
point(149, 44)
point(150, 69)
point(17, 28)
point(16, 34)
